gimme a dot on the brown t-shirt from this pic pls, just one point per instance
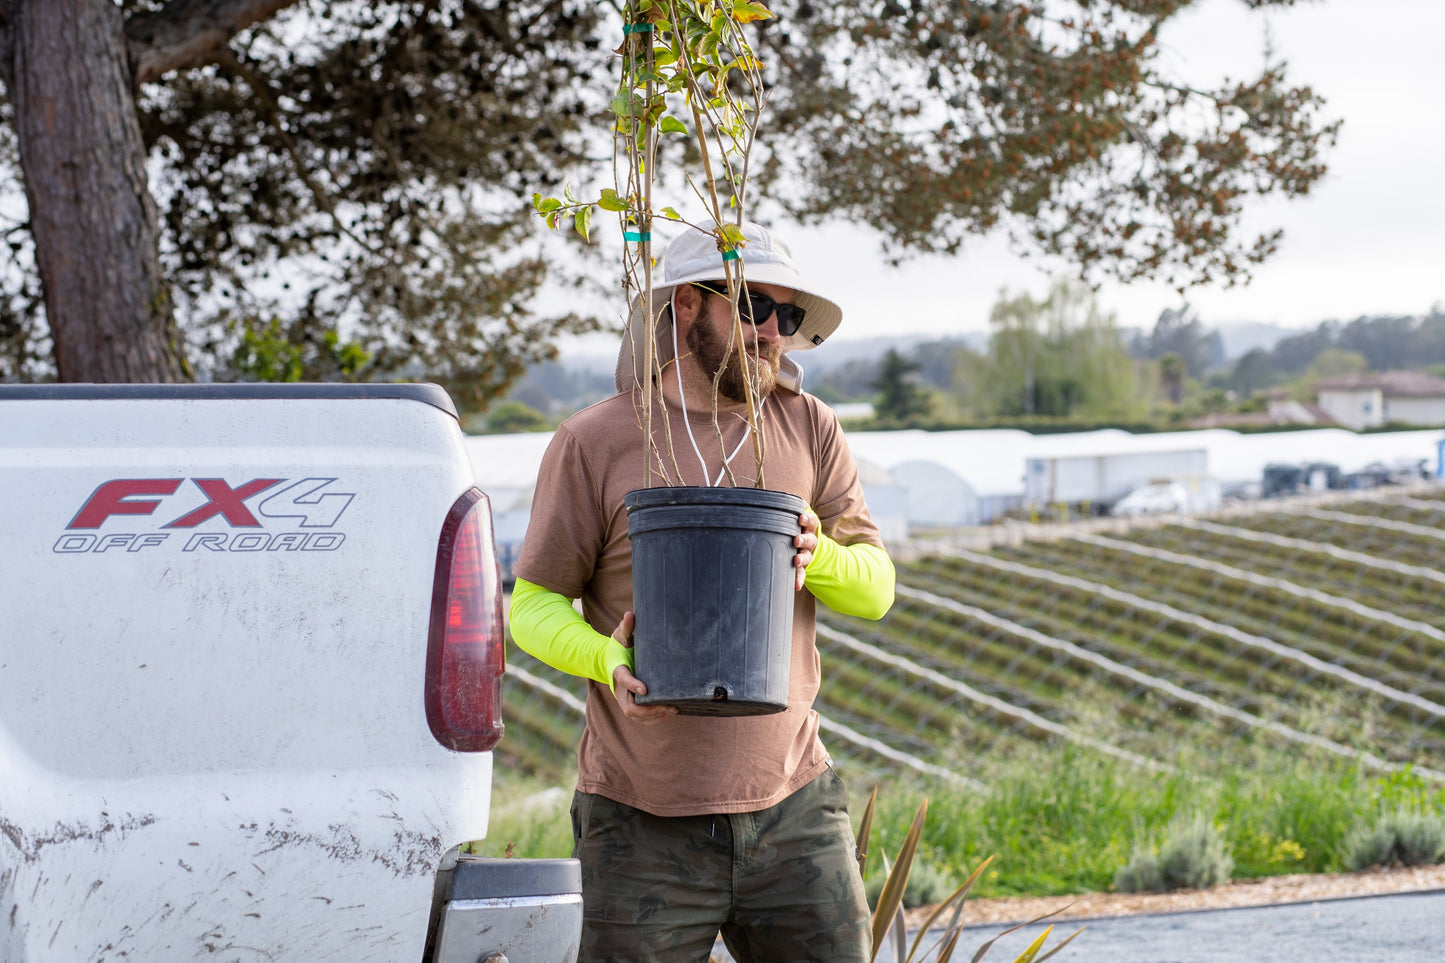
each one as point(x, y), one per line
point(577, 546)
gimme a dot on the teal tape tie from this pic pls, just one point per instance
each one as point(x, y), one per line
point(638, 236)
point(629, 28)
point(731, 255)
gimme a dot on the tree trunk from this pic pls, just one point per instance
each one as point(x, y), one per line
point(91, 212)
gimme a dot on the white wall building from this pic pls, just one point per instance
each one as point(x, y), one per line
point(960, 478)
point(1368, 401)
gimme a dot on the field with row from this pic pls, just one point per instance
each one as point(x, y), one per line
point(1296, 630)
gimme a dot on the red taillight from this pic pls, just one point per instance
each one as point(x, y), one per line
point(465, 657)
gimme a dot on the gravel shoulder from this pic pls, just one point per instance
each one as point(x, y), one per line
point(1267, 891)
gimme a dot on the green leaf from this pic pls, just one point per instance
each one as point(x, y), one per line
point(583, 223)
point(734, 235)
point(1066, 941)
point(626, 104)
point(545, 205)
point(671, 125)
point(609, 201)
point(1027, 956)
point(891, 899)
point(865, 830)
point(955, 902)
point(746, 12)
point(671, 214)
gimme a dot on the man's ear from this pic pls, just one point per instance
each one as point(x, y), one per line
point(686, 302)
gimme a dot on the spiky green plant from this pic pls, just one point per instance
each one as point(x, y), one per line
point(888, 918)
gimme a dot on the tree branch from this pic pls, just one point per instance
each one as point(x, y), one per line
point(228, 60)
point(183, 32)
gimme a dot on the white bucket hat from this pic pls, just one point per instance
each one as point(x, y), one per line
point(694, 256)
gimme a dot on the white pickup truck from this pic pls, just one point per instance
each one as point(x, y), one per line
point(251, 649)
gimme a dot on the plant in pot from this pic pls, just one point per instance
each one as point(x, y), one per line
point(712, 543)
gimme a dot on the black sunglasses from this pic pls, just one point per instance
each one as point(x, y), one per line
point(760, 307)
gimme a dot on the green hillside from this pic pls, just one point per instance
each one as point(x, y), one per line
point(1290, 630)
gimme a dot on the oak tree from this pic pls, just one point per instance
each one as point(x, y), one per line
point(203, 175)
point(1053, 120)
point(277, 171)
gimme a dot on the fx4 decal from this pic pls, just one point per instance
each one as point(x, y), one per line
point(307, 503)
point(302, 501)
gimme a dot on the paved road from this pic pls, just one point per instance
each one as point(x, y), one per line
point(1399, 928)
point(1392, 928)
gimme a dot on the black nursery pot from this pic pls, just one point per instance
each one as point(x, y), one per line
point(712, 587)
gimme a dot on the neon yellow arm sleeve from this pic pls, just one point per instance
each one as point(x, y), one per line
point(546, 625)
point(852, 579)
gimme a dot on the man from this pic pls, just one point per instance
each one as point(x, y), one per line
point(689, 825)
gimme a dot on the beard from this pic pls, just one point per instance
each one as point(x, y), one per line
point(710, 348)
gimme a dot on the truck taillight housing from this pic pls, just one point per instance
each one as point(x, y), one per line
point(465, 656)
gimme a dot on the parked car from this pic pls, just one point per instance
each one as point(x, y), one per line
point(1154, 499)
point(1316, 476)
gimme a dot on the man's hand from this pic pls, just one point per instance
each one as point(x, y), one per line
point(626, 686)
point(806, 543)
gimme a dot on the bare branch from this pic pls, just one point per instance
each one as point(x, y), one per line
point(184, 32)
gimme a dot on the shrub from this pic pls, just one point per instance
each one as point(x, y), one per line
point(1194, 856)
point(1140, 874)
point(1401, 837)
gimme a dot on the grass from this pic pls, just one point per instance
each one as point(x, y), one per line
point(1067, 821)
point(530, 819)
point(1064, 821)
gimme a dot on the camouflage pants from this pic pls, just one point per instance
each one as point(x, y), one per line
point(781, 884)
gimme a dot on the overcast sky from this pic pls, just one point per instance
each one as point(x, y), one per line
point(1370, 239)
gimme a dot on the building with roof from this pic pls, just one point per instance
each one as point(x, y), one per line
point(1390, 397)
point(917, 480)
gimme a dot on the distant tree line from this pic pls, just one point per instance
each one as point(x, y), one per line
point(1051, 358)
point(1061, 358)
point(1056, 361)
point(1382, 343)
